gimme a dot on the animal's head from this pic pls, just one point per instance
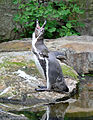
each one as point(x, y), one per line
point(39, 31)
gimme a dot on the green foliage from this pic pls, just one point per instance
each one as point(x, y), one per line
point(61, 16)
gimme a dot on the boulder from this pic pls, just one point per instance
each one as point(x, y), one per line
point(81, 62)
point(16, 45)
point(78, 49)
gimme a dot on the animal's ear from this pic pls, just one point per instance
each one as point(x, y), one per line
point(44, 24)
point(37, 24)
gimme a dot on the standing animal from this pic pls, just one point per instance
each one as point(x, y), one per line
point(46, 62)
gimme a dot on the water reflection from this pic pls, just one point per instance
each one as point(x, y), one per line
point(85, 96)
point(55, 112)
point(81, 109)
point(50, 112)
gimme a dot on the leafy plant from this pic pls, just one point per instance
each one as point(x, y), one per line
point(61, 16)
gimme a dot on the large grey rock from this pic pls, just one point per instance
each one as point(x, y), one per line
point(78, 49)
point(81, 62)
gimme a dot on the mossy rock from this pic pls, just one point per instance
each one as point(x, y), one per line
point(69, 72)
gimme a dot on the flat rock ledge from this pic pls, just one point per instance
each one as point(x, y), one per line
point(33, 98)
point(26, 94)
point(54, 97)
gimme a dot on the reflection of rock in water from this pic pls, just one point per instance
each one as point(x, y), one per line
point(55, 112)
point(10, 116)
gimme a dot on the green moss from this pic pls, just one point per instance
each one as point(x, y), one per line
point(10, 64)
point(69, 72)
point(1, 77)
point(16, 63)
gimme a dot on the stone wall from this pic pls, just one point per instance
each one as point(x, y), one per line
point(7, 25)
point(87, 17)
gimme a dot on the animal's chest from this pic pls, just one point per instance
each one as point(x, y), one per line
point(41, 65)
